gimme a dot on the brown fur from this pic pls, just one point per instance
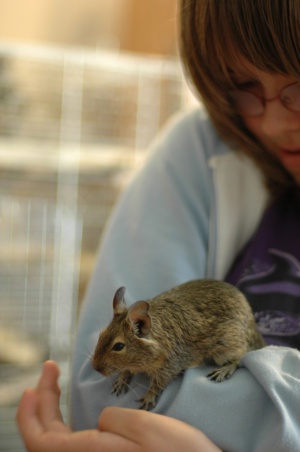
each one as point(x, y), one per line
point(196, 322)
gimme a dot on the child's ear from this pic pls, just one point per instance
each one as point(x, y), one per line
point(119, 304)
point(138, 315)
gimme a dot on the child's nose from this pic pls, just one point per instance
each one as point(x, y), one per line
point(276, 119)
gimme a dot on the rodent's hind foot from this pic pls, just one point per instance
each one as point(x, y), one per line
point(223, 373)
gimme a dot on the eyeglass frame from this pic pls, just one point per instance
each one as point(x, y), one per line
point(263, 100)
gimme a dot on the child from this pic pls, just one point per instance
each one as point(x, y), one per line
point(218, 198)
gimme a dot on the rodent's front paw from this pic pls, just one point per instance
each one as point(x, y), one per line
point(119, 387)
point(121, 384)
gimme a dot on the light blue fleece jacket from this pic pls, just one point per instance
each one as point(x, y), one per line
point(185, 216)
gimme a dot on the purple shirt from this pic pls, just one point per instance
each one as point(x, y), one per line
point(267, 271)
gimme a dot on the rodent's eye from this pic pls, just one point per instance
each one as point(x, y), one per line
point(118, 347)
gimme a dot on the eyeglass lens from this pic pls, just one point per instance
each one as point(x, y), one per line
point(248, 104)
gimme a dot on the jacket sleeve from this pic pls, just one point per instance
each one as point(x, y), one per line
point(156, 238)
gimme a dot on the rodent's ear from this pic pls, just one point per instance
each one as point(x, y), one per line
point(138, 315)
point(119, 304)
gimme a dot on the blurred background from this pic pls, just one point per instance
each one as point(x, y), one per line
point(84, 88)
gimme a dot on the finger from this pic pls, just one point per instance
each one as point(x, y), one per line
point(147, 431)
point(123, 422)
point(48, 393)
point(107, 442)
point(140, 427)
point(49, 377)
point(154, 432)
point(27, 420)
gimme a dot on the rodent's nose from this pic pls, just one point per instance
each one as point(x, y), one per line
point(95, 365)
point(101, 369)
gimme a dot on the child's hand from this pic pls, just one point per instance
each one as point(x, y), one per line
point(42, 428)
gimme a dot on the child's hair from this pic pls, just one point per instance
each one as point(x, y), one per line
point(213, 34)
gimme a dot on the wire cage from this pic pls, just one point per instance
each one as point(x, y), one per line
point(73, 127)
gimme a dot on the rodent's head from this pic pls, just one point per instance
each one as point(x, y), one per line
point(126, 343)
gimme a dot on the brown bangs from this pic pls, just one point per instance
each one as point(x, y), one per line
point(264, 32)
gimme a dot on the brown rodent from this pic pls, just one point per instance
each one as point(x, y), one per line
point(196, 322)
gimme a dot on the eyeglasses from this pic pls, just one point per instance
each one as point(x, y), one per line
point(249, 104)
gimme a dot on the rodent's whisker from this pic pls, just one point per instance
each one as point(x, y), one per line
point(88, 353)
point(139, 385)
point(131, 387)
